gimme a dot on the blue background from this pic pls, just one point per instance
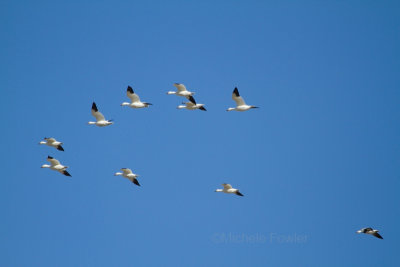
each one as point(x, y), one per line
point(318, 161)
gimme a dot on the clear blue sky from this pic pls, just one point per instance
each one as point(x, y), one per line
point(318, 161)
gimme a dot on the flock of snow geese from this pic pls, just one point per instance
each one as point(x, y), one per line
point(136, 103)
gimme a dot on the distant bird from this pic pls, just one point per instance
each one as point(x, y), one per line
point(52, 142)
point(370, 231)
point(228, 189)
point(181, 91)
point(56, 166)
point(100, 120)
point(127, 173)
point(135, 100)
point(192, 105)
point(240, 104)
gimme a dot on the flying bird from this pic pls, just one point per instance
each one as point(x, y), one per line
point(370, 231)
point(181, 91)
point(56, 166)
point(240, 104)
point(100, 120)
point(229, 190)
point(192, 105)
point(52, 142)
point(135, 100)
point(127, 173)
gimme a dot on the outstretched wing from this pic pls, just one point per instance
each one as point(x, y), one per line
point(191, 99)
point(52, 161)
point(131, 94)
point(377, 235)
point(227, 186)
point(66, 173)
point(96, 113)
point(237, 98)
point(126, 171)
point(50, 140)
point(135, 181)
point(180, 87)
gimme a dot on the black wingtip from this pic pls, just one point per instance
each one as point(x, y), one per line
point(60, 148)
point(66, 173)
point(378, 236)
point(130, 90)
point(136, 182)
point(239, 194)
point(203, 108)
point(49, 157)
point(236, 92)
point(94, 107)
point(191, 99)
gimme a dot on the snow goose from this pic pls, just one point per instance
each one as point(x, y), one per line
point(370, 231)
point(52, 142)
point(100, 120)
point(192, 105)
point(135, 100)
point(240, 104)
point(181, 91)
point(56, 166)
point(229, 190)
point(127, 173)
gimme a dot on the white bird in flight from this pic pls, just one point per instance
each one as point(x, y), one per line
point(240, 104)
point(52, 142)
point(56, 166)
point(135, 100)
point(100, 120)
point(370, 231)
point(229, 190)
point(127, 173)
point(192, 105)
point(181, 91)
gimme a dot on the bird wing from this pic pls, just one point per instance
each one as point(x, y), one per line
point(50, 140)
point(237, 98)
point(135, 181)
point(377, 235)
point(227, 186)
point(53, 161)
point(131, 94)
point(180, 87)
point(191, 99)
point(126, 171)
point(96, 113)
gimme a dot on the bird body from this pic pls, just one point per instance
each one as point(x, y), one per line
point(127, 173)
point(240, 104)
point(192, 105)
point(56, 166)
point(229, 190)
point(100, 120)
point(181, 91)
point(52, 142)
point(370, 231)
point(135, 100)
